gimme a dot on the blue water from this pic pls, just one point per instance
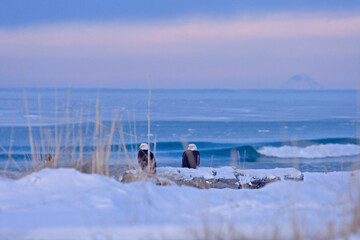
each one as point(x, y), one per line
point(229, 127)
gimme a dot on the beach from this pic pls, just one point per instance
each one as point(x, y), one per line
point(295, 177)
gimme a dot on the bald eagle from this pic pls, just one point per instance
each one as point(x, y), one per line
point(149, 167)
point(191, 157)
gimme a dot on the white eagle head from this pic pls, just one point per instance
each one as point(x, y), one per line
point(192, 147)
point(144, 146)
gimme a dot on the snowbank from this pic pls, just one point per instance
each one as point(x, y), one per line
point(67, 204)
point(224, 177)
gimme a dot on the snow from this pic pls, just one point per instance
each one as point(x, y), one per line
point(226, 172)
point(64, 203)
point(241, 175)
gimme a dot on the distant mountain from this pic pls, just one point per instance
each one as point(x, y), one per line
point(301, 82)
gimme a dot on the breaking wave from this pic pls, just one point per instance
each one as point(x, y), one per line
point(307, 149)
point(312, 151)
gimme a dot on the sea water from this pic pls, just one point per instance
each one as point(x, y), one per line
point(309, 130)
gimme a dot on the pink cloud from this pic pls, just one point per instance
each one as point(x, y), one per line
point(242, 52)
point(121, 38)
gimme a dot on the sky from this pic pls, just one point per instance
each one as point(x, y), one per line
point(247, 44)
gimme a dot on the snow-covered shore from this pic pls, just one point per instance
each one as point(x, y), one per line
point(223, 177)
point(67, 204)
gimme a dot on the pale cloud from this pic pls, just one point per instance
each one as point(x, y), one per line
point(242, 52)
point(129, 38)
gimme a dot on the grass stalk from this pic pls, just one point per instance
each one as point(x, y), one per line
point(31, 140)
point(148, 117)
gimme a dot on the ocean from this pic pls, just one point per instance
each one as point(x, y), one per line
point(315, 131)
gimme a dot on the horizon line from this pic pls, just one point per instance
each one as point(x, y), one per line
point(176, 89)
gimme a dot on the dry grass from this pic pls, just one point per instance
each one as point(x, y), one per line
point(351, 210)
point(64, 145)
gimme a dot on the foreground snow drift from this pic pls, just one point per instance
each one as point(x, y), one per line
point(64, 203)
